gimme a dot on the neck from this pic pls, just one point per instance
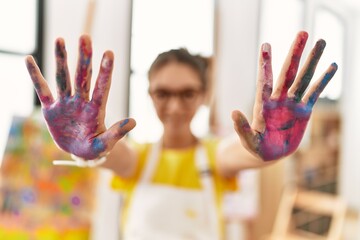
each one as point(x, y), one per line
point(179, 140)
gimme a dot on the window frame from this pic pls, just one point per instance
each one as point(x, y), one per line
point(37, 53)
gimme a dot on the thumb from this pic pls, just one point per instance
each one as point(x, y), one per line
point(117, 131)
point(242, 126)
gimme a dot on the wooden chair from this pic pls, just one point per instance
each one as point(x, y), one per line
point(313, 202)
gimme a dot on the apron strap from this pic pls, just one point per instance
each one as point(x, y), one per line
point(202, 164)
point(151, 162)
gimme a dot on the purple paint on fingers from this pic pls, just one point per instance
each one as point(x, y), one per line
point(308, 74)
point(84, 70)
point(324, 81)
point(294, 64)
point(267, 72)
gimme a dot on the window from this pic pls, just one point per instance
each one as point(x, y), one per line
point(20, 26)
point(330, 27)
point(279, 27)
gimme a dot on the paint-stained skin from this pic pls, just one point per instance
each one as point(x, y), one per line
point(285, 125)
point(62, 73)
point(281, 116)
point(75, 122)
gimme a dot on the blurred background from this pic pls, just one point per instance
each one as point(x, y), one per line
point(227, 32)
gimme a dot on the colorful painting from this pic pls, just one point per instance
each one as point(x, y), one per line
point(39, 200)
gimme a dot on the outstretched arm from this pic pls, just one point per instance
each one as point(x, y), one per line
point(75, 121)
point(281, 114)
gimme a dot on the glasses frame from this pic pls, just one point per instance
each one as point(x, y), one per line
point(185, 96)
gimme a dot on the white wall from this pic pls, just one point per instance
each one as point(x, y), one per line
point(66, 18)
point(350, 106)
point(237, 52)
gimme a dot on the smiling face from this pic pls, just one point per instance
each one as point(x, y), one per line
point(177, 93)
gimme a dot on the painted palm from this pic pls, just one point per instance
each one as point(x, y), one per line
point(76, 122)
point(281, 114)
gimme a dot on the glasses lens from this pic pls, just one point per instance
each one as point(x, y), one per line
point(185, 96)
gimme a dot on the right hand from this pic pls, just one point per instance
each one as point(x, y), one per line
point(281, 114)
point(75, 122)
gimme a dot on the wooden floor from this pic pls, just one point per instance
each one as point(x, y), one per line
point(351, 226)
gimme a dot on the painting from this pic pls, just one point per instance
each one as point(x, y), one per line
point(39, 200)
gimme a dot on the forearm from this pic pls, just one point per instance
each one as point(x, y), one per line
point(122, 160)
point(233, 157)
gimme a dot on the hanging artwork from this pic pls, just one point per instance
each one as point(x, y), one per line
point(39, 200)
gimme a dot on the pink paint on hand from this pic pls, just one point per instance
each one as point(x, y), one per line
point(74, 125)
point(285, 125)
point(75, 122)
point(281, 116)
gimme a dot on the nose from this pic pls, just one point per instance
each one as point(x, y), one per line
point(174, 105)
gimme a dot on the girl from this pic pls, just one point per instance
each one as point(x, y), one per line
point(174, 187)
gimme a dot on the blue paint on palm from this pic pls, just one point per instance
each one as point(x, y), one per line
point(98, 145)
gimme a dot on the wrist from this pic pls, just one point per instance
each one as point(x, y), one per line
point(81, 162)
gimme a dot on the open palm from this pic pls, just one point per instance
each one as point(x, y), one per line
point(280, 115)
point(75, 122)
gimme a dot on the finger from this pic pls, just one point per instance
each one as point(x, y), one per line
point(117, 131)
point(290, 67)
point(264, 86)
point(242, 127)
point(84, 68)
point(302, 81)
point(41, 87)
point(62, 71)
point(265, 77)
point(314, 92)
point(103, 82)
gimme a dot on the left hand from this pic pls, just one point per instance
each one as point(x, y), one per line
point(76, 122)
point(280, 116)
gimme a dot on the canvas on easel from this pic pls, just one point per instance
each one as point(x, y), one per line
point(39, 200)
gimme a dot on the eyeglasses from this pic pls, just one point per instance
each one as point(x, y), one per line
point(186, 97)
